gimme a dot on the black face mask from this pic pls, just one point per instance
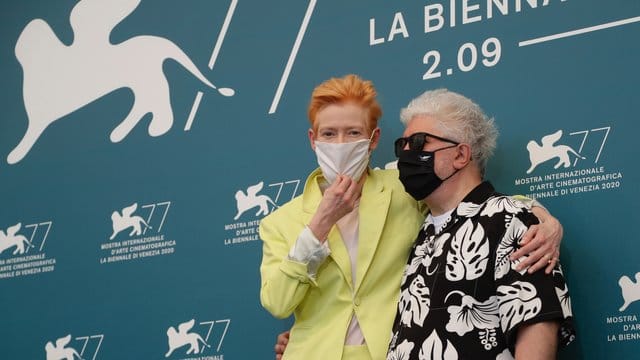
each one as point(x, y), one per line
point(417, 172)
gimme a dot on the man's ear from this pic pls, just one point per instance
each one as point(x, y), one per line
point(312, 141)
point(463, 156)
point(375, 138)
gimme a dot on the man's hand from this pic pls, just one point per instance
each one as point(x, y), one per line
point(281, 344)
point(338, 200)
point(541, 243)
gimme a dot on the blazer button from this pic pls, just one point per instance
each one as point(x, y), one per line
point(356, 301)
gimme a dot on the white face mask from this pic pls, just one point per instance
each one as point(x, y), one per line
point(350, 159)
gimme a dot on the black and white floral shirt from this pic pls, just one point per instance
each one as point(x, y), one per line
point(461, 297)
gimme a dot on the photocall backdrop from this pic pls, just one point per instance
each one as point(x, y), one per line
point(141, 142)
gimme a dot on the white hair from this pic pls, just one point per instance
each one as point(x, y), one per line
point(459, 118)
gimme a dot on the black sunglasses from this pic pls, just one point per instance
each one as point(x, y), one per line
point(416, 142)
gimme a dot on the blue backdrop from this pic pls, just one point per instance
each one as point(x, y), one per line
point(141, 142)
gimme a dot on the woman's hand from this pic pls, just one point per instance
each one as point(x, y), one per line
point(338, 200)
point(541, 243)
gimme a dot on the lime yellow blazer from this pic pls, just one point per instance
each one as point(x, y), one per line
point(389, 220)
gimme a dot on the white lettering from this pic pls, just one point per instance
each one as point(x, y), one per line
point(466, 9)
point(632, 336)
point(502, 5)
point(452, 13)
point(398, 27)
point(429, 16)
point(532, 3)
point(621, 318)
point(372, 41)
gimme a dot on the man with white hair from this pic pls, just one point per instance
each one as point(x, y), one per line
point(461, 295)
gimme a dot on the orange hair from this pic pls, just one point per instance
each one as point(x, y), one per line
point(350, 88)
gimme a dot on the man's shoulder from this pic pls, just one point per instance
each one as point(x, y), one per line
point(487, 205)
point(501, 210)
point(504, 204)
point(485, 200)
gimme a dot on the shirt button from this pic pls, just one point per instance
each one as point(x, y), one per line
point(356, 301)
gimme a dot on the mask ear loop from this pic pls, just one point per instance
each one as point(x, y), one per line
point(369, 151)
point(372, 133)
point(444, 148)
point(370, 140)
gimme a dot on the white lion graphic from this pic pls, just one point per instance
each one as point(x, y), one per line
point(630, 290)
point(10, 239)
point(59, 351)
point(183, 337)
point(126, 220)
point(251, 200)
point(539, 154)
point(60, 79)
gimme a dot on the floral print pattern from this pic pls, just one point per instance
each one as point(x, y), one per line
point(469, 253)
point(414, 302)
point(472, 314)
point(518, 302)
point(507, 246)
point(435, 348)
point(461, 297)
point(401, 352)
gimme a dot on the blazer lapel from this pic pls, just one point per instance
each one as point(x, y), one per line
point(340, 255)
point(374, 206)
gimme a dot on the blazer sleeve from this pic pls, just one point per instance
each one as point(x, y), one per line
point(284, 282)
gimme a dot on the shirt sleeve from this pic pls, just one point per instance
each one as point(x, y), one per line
point(310, 251)
point(526, 298)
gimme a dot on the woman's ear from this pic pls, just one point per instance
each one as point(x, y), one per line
point(312, 141)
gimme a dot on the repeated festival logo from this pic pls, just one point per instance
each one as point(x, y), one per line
point(565, 163)
point(66, 347)
point(125, 219)
point(630, 290)
point(22, 250)
point(254, 202)
point(624, 325)
point(201, 341)
point(12, 239)
point(137, 232)
point(549, 151)
point(251, 200)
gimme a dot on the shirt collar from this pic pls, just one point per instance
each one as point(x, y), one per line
point(478, 195)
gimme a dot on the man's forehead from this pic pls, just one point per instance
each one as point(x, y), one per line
point(421, 123)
